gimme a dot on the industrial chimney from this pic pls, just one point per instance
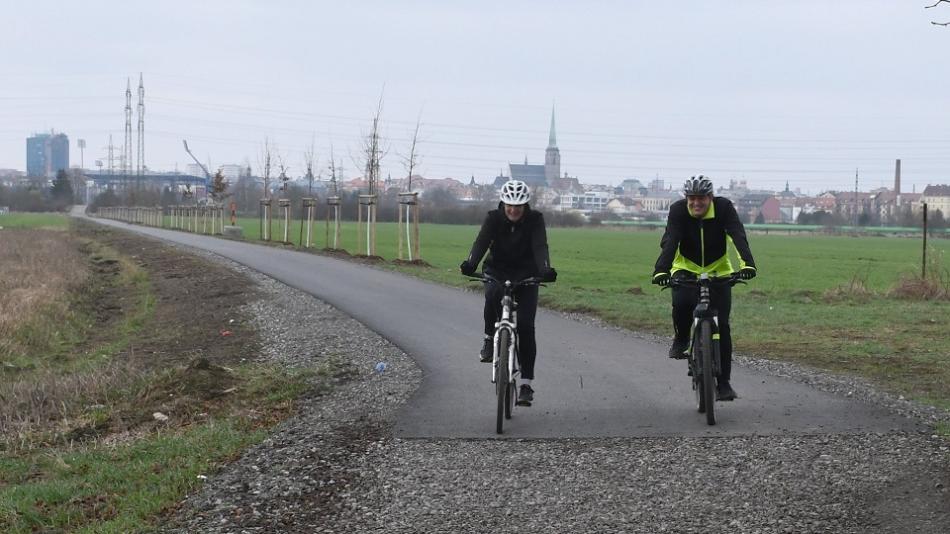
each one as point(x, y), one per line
point(897, 182)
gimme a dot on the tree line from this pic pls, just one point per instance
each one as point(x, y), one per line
point(904, 218)
point(437, 205)
point(37, 196)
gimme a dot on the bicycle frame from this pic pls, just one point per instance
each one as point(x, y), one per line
point(508, 322)
point(703, 314)
point(503, 376)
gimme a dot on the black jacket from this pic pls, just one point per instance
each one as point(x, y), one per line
point(515, 250)
point(701, 244)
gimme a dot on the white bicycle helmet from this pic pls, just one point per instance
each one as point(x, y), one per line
point(515, 193)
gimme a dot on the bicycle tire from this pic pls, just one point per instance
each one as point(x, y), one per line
point(705, 353)
point(502, 379)
point(696, 373)
point(698, 391)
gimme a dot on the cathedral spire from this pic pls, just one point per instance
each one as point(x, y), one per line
point(552, 156)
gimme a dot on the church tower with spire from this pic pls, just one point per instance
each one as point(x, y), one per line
point(552, 156)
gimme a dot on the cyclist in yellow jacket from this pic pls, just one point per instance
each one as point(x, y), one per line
point(698, 232)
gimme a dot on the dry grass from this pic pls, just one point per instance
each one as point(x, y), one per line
point(37, 268)
point(855, 290)
point(935, 285)
point(56, 404)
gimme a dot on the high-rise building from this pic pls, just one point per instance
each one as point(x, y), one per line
point(47, 154)
point(233, 172)
point(36, 155)
point(193, 169)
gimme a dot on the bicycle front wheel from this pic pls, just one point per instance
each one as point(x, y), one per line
point(705, 355)
point(502, 379)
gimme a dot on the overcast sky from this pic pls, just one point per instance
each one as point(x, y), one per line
point(805, 92)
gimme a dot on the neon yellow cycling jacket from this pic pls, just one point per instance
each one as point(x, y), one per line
point(700, 244)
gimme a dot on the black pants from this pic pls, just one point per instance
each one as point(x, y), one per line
point(685, 299)
point(527, 299)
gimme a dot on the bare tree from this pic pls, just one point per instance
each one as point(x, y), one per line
point(309, 162)
point(373, 152)
point(412, 160)
point(335, 171)
point(937, 3)
point(265, 161)
point(283, 168)
point(371, 156)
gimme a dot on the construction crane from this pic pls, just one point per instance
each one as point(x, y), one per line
point(203, 168)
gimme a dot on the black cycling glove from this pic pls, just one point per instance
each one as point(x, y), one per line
point(661, 279)
point(747, 273)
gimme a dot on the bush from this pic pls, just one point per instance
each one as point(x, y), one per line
point(563, 218)
point(934, 285)
point(106, 199)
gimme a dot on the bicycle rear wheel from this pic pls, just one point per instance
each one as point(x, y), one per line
point(704, 354)
point(502, 379)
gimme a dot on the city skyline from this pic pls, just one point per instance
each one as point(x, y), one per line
point(769, 94)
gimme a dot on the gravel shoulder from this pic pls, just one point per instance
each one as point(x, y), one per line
point(336, 466)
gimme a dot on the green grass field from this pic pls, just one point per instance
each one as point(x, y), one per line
point(33, 220)
point(819, 300)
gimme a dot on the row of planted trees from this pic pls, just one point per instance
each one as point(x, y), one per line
point(204, 219)
point(282, 210)
point(279, 214)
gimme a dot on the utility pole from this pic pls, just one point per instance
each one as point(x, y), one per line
point(140, 167)
point(111, 156)
point(923, 261)
point(127, 149)
point(81, 143)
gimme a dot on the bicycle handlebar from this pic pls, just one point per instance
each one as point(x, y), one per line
point(487, 278)
point(730, 280)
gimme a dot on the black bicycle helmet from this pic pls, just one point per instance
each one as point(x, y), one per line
point(698, 185)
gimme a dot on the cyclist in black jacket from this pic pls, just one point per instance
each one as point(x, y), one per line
point(698, 231)
point(515, 238)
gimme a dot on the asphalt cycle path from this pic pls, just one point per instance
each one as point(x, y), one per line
point(590, 381)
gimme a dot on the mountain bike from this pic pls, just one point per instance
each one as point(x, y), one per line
point(505, 368)
point(703, 352)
